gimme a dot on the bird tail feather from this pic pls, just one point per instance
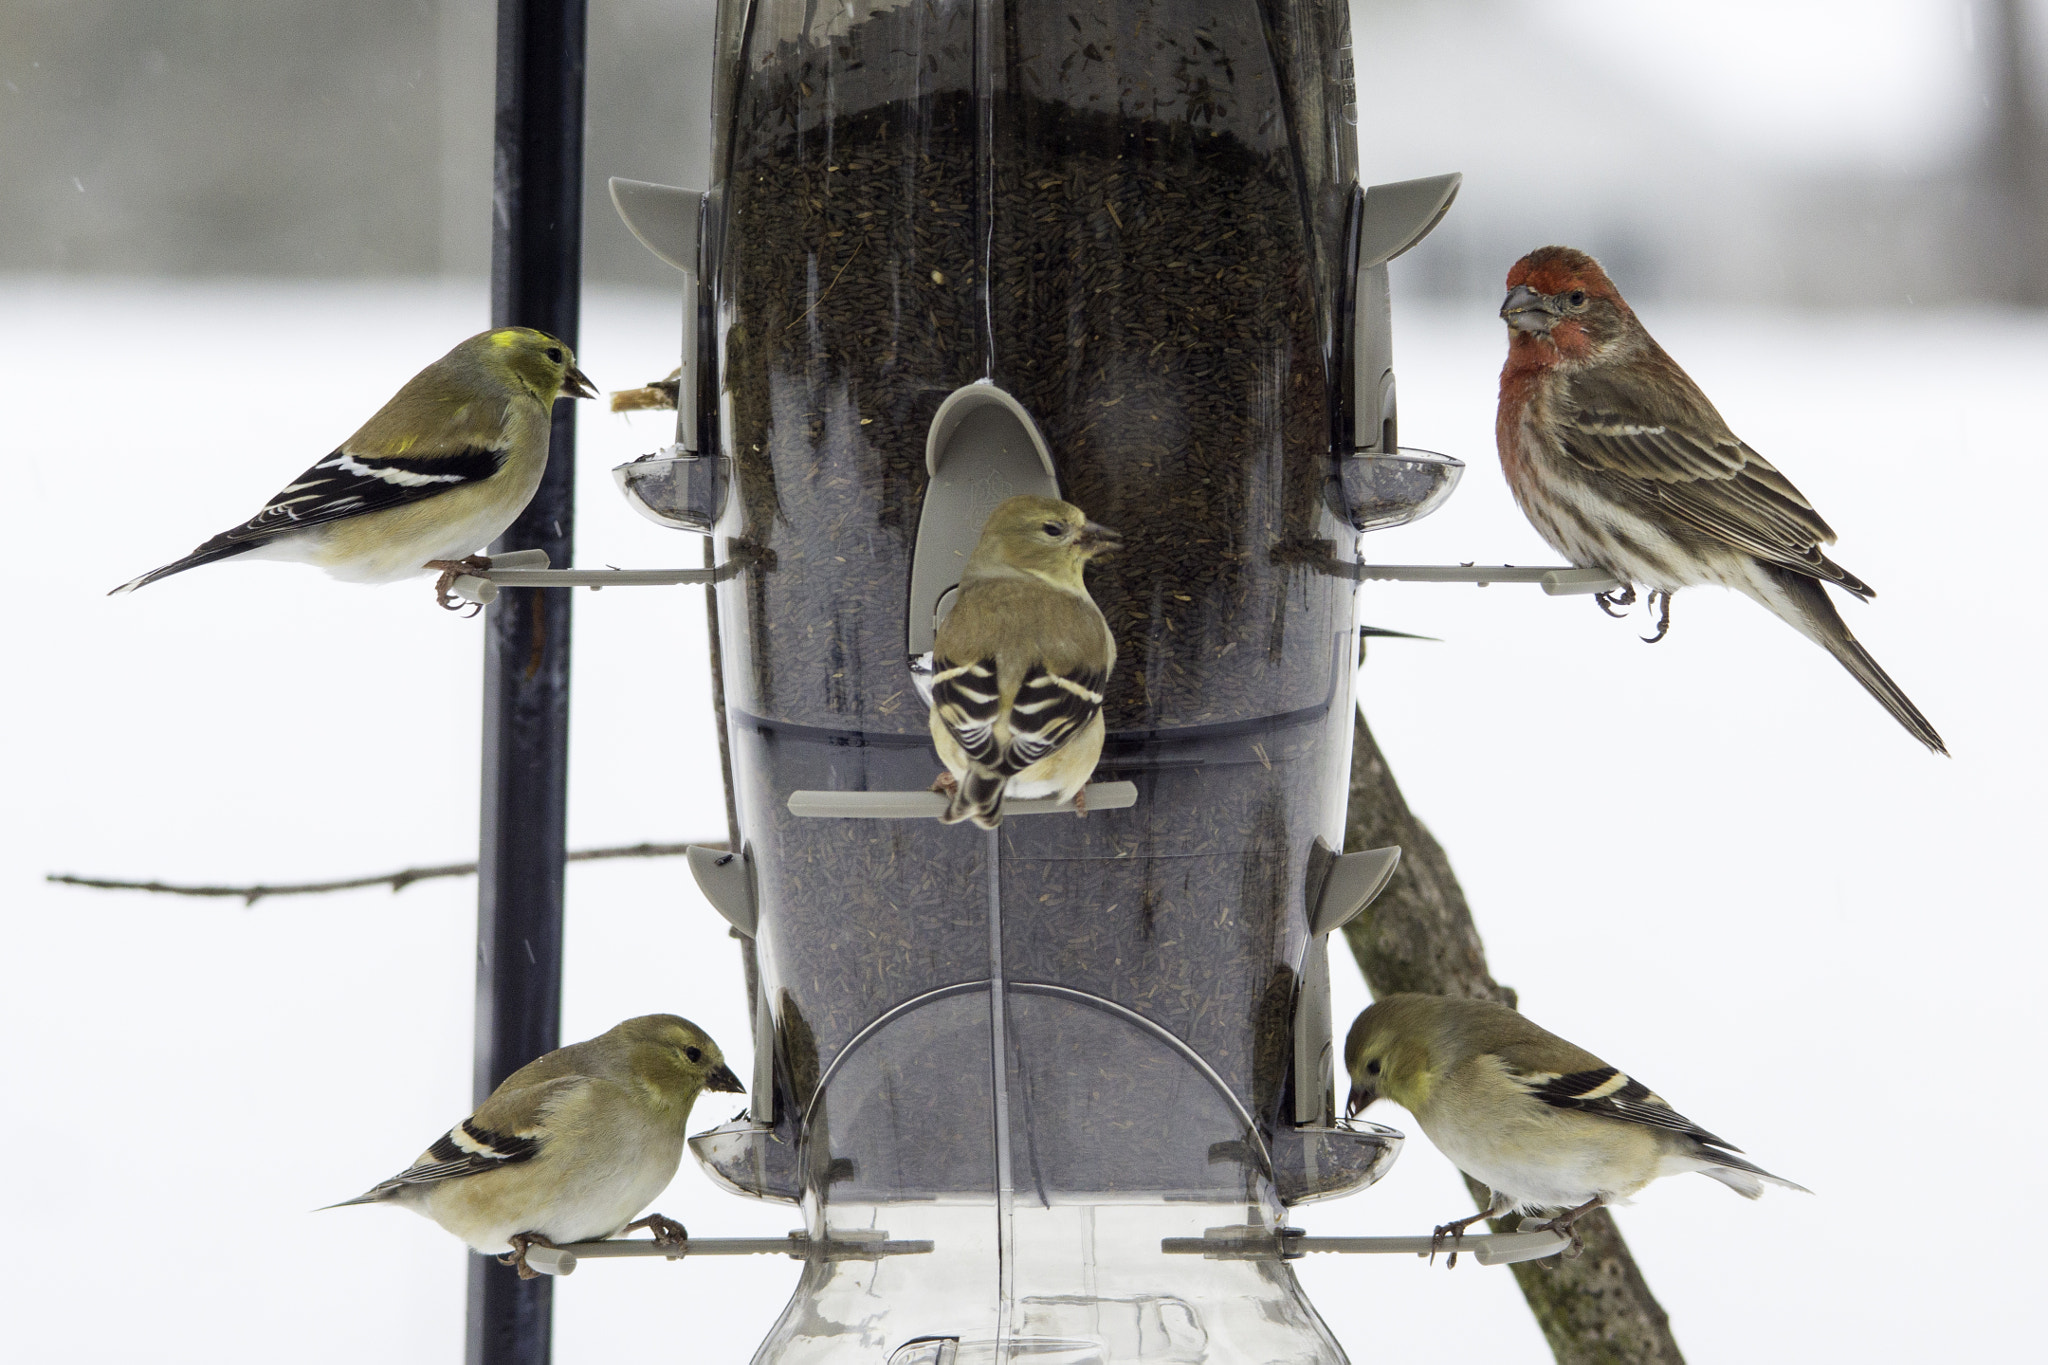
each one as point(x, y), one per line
point(1803, 603)
point(978, 797)
point(211, 552)
point(377, 1195)
point(1744, 1177)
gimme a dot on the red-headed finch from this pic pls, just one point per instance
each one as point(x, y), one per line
point(1622, 464)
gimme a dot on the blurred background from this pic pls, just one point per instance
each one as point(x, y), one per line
point(230, 228)
point(1810, 152)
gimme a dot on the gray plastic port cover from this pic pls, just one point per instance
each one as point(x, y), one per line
point(728, 883)
point(982, 447)
point(667, 221)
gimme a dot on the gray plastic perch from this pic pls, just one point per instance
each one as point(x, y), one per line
point(562, 1260)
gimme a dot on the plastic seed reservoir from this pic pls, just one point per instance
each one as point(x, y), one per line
point(1126, 233)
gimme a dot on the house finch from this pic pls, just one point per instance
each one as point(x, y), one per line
point(1622, 464)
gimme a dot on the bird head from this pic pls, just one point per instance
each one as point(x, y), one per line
point(1041, 536)
point(675, 1058)
point(536, 361)
point(1560, 300)
point(1388, 1053)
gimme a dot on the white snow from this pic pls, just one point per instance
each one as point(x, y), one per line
point(1716, 862)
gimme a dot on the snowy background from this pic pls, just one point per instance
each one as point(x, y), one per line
point(1716, 862)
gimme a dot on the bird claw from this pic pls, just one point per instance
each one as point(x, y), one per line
point(522, 1242)
point(667, 1231)
point(452, 569)
point(945, 784)
point(1608, 601)
point(1455, 1232)
point(1659, 602)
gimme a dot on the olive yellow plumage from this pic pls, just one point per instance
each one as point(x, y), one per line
point(1543, 1123)
point(437, 474)
point(572, 1145)
point(1020, 663)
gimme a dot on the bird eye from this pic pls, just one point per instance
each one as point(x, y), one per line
point(695, 1054)
point(1577, 298)
point(1053, 529)
point(1372, 1068)
point(555, 354)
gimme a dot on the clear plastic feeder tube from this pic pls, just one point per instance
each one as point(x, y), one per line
point(1047, 1048)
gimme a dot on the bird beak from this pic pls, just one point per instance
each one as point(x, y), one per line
point(723, 1081)
point(1098, 539)
point(1527, 311)
point(1359, 1098)
point(577, 384)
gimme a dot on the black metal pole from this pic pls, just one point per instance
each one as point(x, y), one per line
point(536, 276)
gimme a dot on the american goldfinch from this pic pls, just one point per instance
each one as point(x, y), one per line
point(571, 1146)
point(437, 474)
point(1019, 665)
point(1544, 1124)
point(1622, 464)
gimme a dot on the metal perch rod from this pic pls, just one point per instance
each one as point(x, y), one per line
point(562, 1260)
point(1557, 582)
point(1493, 1248)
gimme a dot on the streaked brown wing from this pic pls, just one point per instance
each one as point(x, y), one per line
point(1674, 451)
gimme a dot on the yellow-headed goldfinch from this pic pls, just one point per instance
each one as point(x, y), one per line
point(571, 1146)
point(1019, 665)
point(1544, 1124)
point(436, 475)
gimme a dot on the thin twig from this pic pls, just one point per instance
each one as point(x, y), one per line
point(828, 288)
point(397, 881)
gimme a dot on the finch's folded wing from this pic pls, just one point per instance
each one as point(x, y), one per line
point(1049, 710)
point(346, 485)
point(1679, 453)
point(1611, 1093)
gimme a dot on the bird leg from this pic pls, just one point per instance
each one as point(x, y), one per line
point(945, 784)
point(1081, 801)
point(1660, 602)
point(667, 1231)
point(1455, 1230)
point(1563, 1223)
point(452, 569)
point(1624, 599)
point(521, 1241)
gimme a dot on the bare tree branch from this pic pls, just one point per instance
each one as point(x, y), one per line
point(397, 881)
point(1419, 936)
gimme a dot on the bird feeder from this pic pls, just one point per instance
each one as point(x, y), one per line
point(1079, 1069)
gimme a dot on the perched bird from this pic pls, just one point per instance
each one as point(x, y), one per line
point(571, 1146)
point(437, 474)
point(1544, 1124)
point(1622, 464)
point(1019, 665)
